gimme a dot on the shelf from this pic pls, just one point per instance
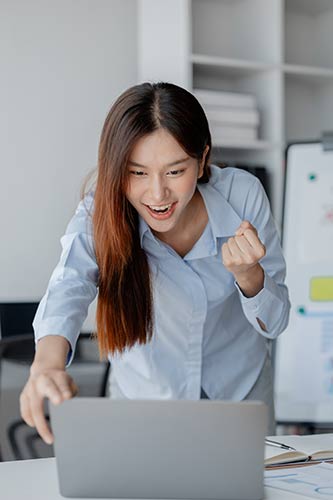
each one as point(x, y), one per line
point(238, 67)
point(308, 71)
point(233, 67)
point(309, 7)
point(251, 146)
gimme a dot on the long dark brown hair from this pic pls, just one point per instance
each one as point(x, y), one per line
point(125, 305)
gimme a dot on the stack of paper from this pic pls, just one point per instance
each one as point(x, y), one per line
point(232, 117)
point(315, 481)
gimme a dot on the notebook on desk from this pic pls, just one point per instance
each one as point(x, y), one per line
point(310, 449)
point(159, 449)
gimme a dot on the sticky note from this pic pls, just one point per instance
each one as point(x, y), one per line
point(321, 288)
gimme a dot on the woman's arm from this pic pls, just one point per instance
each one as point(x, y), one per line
point(268, 309)
point(51, 352)
point(73, 284)
point(48, 379)
point(58, 321)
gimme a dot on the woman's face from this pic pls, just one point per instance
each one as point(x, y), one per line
point(162, 180)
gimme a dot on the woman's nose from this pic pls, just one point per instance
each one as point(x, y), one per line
point(158, 190)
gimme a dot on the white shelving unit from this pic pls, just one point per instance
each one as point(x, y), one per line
point(278, 50)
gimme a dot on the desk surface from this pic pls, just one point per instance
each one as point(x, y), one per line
point(37, 480)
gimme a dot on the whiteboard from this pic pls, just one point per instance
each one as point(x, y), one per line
point(304, 352)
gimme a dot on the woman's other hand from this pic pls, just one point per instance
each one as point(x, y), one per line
point(53, 384)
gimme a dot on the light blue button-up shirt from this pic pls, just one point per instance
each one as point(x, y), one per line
point(206, 332)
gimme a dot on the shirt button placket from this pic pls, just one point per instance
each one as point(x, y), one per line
point(195, 333)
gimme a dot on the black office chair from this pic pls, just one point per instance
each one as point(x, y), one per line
point(17, 344)
point(16, 321)
point(16, 333)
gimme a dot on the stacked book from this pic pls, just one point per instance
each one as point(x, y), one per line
point(233, 117)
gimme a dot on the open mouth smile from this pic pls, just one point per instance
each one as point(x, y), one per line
point(161, 211)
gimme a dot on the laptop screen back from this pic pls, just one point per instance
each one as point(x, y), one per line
point(159, 449)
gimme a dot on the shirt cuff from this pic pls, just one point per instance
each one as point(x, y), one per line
point(263, 310)
point(256, 301)
point(52, 326)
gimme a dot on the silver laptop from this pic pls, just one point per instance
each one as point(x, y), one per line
point(159, 449)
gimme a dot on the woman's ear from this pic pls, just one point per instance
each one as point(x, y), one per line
point(202, 162)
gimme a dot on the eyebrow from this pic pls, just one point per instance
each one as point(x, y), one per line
point(172, 164)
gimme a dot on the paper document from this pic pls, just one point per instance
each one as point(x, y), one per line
point(315, 481)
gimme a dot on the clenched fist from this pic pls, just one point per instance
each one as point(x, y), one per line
point(241, 255)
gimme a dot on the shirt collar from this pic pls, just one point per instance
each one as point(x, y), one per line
point(143, 229)
point(222, 217)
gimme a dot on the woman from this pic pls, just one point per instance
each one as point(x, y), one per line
point(186, 260)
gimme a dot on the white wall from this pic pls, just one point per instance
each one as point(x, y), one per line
point(62, 63)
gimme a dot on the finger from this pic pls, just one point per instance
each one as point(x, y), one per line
point(255, 243)
point(243, 227)
point(226, 255)
point(47, 388)
point(40, 422)
point(251, 255)
point(234, 248)
point(235, 257)
point(244, 246)
point(74, 388)
point(67, 387)
point(25, 409)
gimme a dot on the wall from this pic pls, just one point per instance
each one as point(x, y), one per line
point(62, 63)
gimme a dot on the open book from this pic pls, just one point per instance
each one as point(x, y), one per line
point(314, 447)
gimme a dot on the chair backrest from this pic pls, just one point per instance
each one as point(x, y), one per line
point(16, 318)
point(17, 344)
point(16, 331)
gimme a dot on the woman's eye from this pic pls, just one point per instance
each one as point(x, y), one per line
point(141, 173)
point(137, 173)
point(176, 172)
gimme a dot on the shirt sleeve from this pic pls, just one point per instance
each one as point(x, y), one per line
point(73, 283)
point(268, 311)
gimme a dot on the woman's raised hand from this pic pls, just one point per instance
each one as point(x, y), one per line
point(241, 255)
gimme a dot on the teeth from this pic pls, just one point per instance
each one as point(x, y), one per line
point(160, 208)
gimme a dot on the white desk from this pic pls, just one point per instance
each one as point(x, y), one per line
point(37, 480)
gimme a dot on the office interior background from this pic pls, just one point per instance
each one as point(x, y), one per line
point(62, 65)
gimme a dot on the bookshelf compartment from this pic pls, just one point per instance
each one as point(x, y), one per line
point(263, 85)
point(308, 33)
point(308, 107)
point(236, 29)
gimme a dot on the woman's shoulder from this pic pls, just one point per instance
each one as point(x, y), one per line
point(87, 201)
point(241, 189)
point(230, 180)
point(81, 222)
